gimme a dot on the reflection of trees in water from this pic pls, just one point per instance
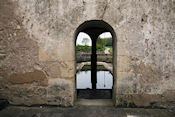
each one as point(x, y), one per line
point(79, 72)
point(87, 71)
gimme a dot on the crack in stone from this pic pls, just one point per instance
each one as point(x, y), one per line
point(107, 3)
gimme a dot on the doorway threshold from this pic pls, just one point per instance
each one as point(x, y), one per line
point(94, 102)
point(94, 94)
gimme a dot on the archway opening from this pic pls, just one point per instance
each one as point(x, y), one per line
point(96, 28)
point(83, 56)
point(104, 49)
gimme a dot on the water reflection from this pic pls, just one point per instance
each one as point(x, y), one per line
point(104, 80)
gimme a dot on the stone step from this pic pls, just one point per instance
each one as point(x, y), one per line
point(94, 102)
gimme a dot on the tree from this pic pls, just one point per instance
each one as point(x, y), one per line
point(85, 41)
point(101, 42)
point(108, 42)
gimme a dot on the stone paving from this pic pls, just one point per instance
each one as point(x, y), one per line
point(82, 111)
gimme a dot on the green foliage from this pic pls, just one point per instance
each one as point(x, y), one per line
point(81, 47)
point(103, 42)
point(109, 46)
point(99, 47)
point(100, 44)
point(108, 42)
point(110, 50)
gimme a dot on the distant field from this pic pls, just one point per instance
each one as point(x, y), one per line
point(81, 47)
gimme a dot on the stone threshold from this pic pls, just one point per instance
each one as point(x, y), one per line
point(94, 102)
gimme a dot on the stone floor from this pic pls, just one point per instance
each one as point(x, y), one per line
point(83, 111)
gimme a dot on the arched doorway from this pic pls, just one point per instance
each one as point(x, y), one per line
point(83, 56)
point(94, 28)
point(104, 50)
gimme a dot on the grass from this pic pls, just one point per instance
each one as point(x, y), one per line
point(110, 50)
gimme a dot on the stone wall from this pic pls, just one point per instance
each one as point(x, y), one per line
point(37, 49)
point(86, 56)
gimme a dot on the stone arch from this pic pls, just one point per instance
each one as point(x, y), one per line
point(99, 27)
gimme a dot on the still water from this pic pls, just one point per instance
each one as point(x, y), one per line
point(104, 80)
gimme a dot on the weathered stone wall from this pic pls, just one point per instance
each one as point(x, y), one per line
point(37, 49)
point(145, 50)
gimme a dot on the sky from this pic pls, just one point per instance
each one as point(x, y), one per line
point(82, 35)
